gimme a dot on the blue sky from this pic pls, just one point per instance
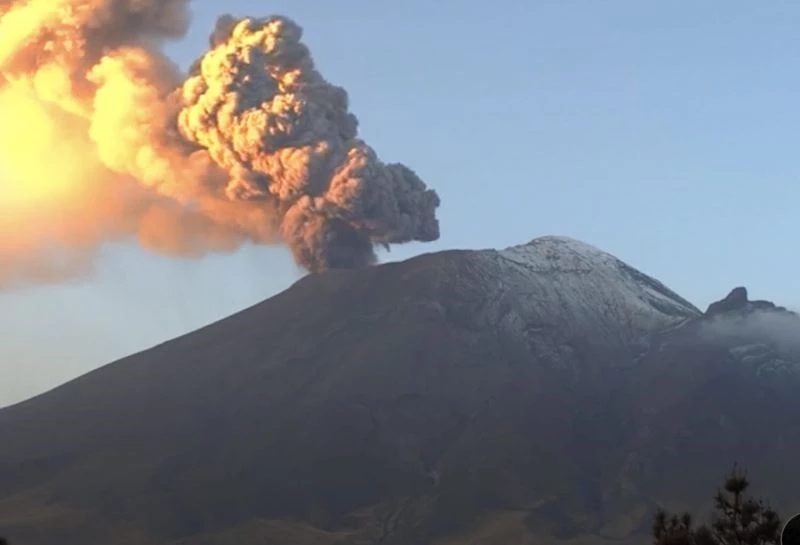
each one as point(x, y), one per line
point(662, 132)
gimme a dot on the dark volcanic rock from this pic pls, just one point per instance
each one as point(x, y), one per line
point(547, 390)
point(735, 300)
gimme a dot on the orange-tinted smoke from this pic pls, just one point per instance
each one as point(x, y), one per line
point(104, 139)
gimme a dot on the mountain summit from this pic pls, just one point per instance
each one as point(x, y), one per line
point(546, 392)
point(589, 288)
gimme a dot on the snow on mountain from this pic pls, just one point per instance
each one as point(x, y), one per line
point(559, 283)
point(450, 393)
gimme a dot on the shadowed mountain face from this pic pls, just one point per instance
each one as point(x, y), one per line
point(547, 392)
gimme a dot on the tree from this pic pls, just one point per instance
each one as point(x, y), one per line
point(738, 519)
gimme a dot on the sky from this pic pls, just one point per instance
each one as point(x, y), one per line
point(664, 133)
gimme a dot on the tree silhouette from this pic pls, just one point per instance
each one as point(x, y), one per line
point(738, 519)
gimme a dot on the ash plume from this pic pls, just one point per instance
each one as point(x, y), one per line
point(105, 139)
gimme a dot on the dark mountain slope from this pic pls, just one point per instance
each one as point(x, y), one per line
point(723, 386)
point(406, 401)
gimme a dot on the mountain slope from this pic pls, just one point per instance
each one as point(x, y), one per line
point(398, 402)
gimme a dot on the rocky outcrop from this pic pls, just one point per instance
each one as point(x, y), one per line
point(737, 301)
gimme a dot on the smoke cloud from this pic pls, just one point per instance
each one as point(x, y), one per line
point(777, 327)
point(104, 139)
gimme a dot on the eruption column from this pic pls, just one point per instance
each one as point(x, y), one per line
point(104, 139)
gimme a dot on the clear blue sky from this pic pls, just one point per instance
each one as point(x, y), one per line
point(663, 132)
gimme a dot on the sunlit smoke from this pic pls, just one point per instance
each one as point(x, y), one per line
point(104, 139)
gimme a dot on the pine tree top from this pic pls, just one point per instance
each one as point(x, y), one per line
point(737, 519)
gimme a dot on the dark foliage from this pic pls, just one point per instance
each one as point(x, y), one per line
point(738, 519)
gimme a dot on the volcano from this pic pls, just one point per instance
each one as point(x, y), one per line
point(545, 393)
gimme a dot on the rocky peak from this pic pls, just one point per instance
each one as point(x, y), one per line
point(735, 300)
point(738, 301)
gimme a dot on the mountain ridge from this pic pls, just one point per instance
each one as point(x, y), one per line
point(549, 385)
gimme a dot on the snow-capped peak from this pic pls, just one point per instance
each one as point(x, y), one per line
point(566, 254)
point(569, 284)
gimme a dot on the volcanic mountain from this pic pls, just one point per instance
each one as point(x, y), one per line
point(548, 392)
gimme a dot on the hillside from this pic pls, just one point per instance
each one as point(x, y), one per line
point(547, 391)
